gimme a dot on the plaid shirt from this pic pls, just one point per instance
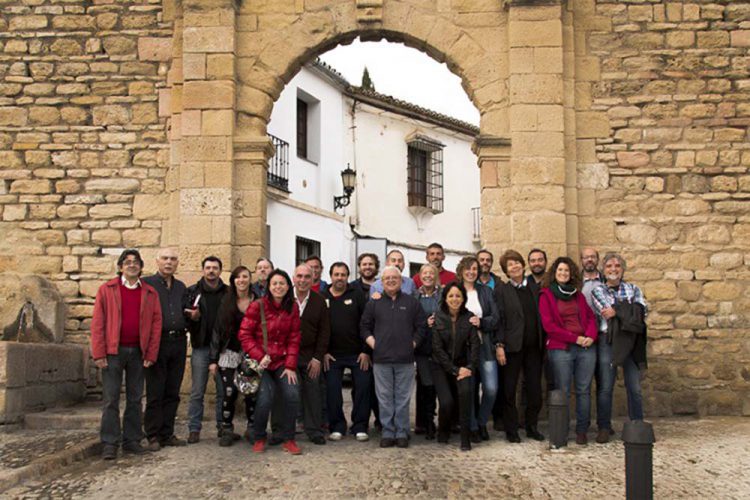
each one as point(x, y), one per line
point(604, 297)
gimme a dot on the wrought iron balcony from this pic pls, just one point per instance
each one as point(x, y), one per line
point(278, 166)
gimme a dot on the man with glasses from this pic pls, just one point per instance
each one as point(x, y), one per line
point(125, 335)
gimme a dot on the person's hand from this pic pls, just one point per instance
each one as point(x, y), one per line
point(265, 361)
point(101, 362)
point(376, 295)
point(608, 313)
point(580, 340)
point(500, 355)
point(474, 320)
point(212, 368)
point(588, 342)
point(193, 314)
point(463, 373)
point(364, 361)
point(291, 376)
point(147, 363)
point(370, 341)
point(313, 369)
point(431, 320)
point(327, 362)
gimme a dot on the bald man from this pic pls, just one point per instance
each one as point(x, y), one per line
point(164, 378)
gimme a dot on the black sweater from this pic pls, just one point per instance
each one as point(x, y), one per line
point(346, 313)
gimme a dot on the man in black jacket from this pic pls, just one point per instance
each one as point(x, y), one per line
point(202, 309)
point(346, 349)
point(164, 378)
point(393, 326)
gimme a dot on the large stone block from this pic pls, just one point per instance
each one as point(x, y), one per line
point(154, 49)
point(208, 94)
point(208, 39)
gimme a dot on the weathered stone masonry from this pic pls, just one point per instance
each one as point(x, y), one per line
point(621, 124)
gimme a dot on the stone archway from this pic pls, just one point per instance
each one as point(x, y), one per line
point(234, 59)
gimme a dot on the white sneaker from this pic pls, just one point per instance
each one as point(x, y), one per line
point(362, 436)
point(335, 436)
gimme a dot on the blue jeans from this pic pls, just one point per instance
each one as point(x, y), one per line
point(393, 384)
point(361, 395)
point(605, 382)
point(270, 382)
point(488, 379)
point(130, 361)
point(576, 363)
point(199, 372)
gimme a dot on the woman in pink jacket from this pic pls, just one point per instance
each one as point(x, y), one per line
point(571, 331)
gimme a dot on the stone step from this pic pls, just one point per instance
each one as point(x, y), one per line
point(84, 417)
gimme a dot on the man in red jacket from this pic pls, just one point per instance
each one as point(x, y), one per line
point(125, 335)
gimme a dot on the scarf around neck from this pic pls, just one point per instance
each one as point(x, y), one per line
point(563, 292)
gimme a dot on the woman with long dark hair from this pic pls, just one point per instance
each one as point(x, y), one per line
point(455, 351)
point(571, 331)
point(278, 314)
point(225, 353)
point(481, 302)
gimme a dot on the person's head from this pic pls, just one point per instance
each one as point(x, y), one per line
point(391, 280)
point(589, 259)
point(167, 261)
point(211, 267)
point(130, 264)
point(486, 260)
point(339, 273)
point(537, 261)
point(428, 273)
point(395, 258)
point(512, 264)
point(239, 280)
point(263, 268)
point(614, 267)
point(280, 289)
point(454, 298)
point(435, 255)
point(316, 266)
point(368, 265)
point(467, 270)
point(303, 278)
point(564, 271)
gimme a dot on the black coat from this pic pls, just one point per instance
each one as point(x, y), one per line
point(201, 331)
point(455, 349)
point(512, 322)
point(627, 334)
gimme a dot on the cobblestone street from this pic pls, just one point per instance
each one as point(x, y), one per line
point(706, 458)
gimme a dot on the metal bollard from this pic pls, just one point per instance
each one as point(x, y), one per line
point(558, 419)
point(639, 476)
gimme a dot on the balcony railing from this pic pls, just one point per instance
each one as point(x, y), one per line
point(477, 217)
point(278, 166)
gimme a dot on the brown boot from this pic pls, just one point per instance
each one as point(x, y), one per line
point(602, 436)
point(582, 438)
point(194, 437)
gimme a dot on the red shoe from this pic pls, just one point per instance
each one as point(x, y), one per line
point(291, 447)
point(259, 446)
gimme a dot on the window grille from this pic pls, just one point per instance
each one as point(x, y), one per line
point(425, 174)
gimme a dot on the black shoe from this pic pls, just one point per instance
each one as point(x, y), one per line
point(483, 433)
point(430, 433)
point(533, 433)
point(466, 439)
point(109, 452)
point(173, 441)
point(443, 437)
point(455, 429)
point(387, 442)
point(498, 425)
point(226, 439)
point(512, 437)
point(402, 442)
point(475, 437)
point(134, 448)
point(274, 441)
point(318, 440)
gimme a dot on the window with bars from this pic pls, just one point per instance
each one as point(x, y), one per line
point(305, 248)
point(425, 174)
point(301, 128)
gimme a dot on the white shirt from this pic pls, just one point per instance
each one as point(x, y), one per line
point(127, 284)
point(302, 304)
point(472, 303)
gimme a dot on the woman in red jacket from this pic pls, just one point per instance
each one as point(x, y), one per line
point(279, 360)
point(571, 331)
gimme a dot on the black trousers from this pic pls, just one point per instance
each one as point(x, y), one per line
point(163, 381)
point(426, 404)
point(229, 402)
point(497, 408)
point(529, 359)
point(455, 397)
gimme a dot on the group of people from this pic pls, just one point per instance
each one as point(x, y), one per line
point(465, 337)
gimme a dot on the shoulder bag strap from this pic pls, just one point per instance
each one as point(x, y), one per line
point(264, 326)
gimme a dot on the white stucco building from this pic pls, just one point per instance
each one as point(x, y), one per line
point(417, 180)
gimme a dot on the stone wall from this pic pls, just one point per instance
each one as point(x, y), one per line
point(663, 93)
point(83, 141)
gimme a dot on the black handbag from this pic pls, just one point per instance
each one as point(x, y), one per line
point(249, 372)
